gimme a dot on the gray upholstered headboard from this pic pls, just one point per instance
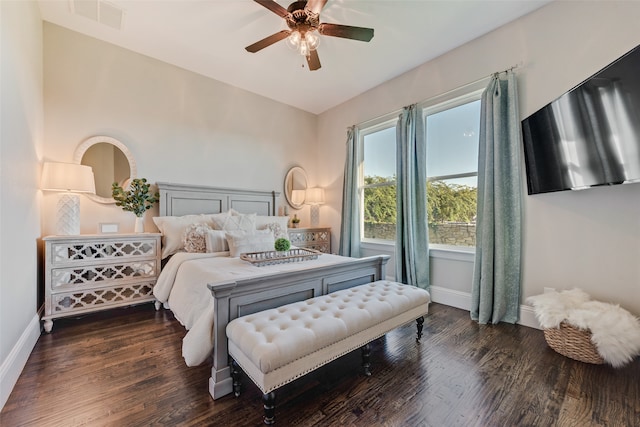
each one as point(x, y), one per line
point(181, 199)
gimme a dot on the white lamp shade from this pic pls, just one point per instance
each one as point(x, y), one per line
point(67, 177)
point(314, 196)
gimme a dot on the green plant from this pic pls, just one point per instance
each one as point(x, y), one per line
point(282, 244)
point(137, 198)
point(295, 219)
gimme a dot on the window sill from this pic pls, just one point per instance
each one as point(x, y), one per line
point(457, 253)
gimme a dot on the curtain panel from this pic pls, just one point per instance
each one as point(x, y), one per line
point(497, 271)
point(350, 226)
point(412, 241)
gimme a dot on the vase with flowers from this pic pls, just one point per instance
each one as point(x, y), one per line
point(137, 199)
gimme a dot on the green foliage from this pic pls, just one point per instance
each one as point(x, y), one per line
point(380, 202)
point(445, 202)
point(450, 202)
point(137, 198)
point(295, 219)
point(282, 244)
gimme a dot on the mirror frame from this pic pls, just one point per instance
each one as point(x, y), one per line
point(288, 179)
point(88, 143)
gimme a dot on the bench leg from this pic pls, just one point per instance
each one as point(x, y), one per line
point(366, 357)
point(269, 403)
point(235, 376)
point(419, 324)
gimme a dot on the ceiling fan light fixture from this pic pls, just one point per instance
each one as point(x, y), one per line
point(303, 42)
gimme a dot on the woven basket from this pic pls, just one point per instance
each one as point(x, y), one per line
point(574, 343)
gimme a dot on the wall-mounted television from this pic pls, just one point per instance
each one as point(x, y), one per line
point(590, 136)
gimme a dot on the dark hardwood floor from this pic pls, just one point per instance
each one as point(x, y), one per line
point(123, 368)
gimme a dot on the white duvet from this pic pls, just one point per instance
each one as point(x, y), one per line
point(183, 286)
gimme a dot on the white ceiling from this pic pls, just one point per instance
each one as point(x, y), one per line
point(209, 36)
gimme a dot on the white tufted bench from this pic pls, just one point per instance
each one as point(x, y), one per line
point(274, 347)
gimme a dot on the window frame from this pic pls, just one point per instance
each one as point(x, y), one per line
point(383, 123)
point(467, 93)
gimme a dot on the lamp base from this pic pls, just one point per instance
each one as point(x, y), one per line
point(315, 215)
point(68, 215)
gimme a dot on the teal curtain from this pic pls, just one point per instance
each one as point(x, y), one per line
point(412, 241)
point(350, 227)
point(496, 280)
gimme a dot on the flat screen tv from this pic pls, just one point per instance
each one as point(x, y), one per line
point(590, 136)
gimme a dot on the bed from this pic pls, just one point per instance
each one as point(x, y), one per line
point(207, 291)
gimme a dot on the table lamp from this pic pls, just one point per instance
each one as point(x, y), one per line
point(314, 197)
point(69, 179)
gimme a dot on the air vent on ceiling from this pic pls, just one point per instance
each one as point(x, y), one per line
point(99, 11)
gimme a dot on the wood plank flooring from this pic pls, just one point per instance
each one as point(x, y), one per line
point(123, 368)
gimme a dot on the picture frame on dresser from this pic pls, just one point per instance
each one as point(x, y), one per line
point(89, 273)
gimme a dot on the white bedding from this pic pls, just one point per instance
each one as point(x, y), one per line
point(183, 285)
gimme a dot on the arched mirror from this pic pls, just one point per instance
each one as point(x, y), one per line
point(295, 184)
point(111, 162)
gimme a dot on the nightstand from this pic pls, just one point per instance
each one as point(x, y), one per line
point(88, 273)
point(318, 238)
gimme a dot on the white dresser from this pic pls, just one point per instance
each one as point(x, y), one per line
point(87, 273)
point(318, 238)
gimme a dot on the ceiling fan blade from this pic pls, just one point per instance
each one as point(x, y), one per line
point(268, 41)
point(315, 5)
point(313, 60)
point(274, 7)
point(346, 32)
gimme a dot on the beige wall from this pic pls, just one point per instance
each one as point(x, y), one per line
point(180, 126)
point(588, 239)
point(20, 149)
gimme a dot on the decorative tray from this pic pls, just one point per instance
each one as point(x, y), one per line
point(260, 259)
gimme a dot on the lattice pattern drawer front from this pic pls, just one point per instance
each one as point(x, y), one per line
point(100, 275)
point(309, 237)
point(105, 250)
point(76, 301)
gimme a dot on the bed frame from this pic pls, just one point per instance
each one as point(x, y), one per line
point(233, 299)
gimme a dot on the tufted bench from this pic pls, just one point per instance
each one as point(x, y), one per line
point(274, 347)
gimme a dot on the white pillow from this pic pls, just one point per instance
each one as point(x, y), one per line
point(229, 222)
point(216, 241)
point(173, 228)
point(194, 237)
point(242, 242)
point(277, 224)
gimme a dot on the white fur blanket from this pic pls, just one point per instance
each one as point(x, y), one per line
point(614, 331)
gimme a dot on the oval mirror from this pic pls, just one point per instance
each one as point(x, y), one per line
point(295, 184)
point(111, 162)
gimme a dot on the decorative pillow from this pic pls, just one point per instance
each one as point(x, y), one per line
point(242, 241)
point(173, 228)
point(277, 230)
point(229, 222)
point(194, 237)
point(216, 241)
point(267, 222)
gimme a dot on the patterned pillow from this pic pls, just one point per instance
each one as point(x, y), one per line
point(229, 222)
point(277, 230)
point(194, 238)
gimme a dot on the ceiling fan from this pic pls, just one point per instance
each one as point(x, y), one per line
point(303, 20)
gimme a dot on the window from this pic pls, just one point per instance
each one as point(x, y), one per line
point(378, 183)
point(452, 129)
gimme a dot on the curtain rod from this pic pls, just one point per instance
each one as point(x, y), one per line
point(398, 111)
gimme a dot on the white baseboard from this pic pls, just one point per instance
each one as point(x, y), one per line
point(462, 300)
point(13, 365)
